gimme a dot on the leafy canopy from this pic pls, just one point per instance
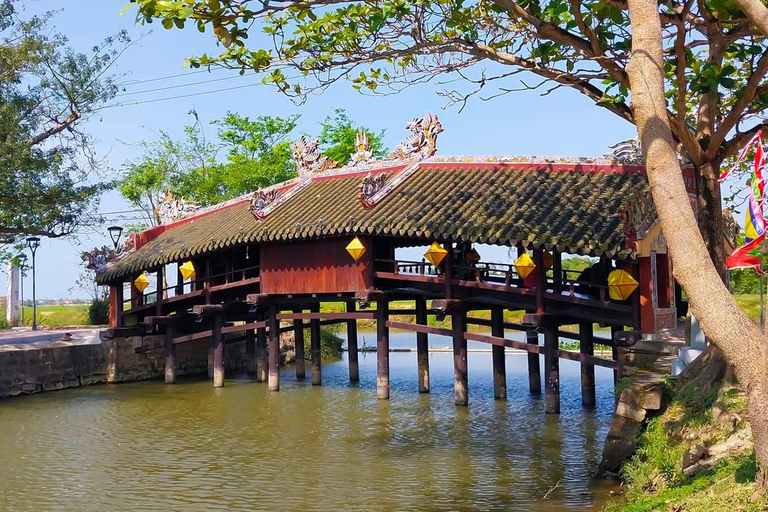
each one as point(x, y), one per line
point(47, 90)
point(248, 154)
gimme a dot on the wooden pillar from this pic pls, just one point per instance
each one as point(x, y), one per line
point(261, 350)
point(218, 351)
point(250, 352)
point(274, 350)
point(382, 350)
point(354, 366)
point(448, 270)
point(541, 280)
point(534, 369)
point(422, 346)
point(557, 271)
point(587, 347)
point(499, 361)
point(170, 353)
point(615, 350)
point(460, 385)
point(301, 359)
point(551, 368)
point(315, 348)
point(159, 292)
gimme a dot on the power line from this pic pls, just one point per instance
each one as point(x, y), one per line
point(179, 86)
point(190, 95)
point(160, 78)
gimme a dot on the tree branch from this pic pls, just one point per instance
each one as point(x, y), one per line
point(58, 128)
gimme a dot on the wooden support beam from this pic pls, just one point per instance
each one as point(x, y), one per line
point(208, 309)
point(250, 352)
point(217, 339)
point(354, 366)
point(360, 315)
point(170, 354)
point(419, 328)
point(301, 358)
point(315, 351)
point(534, 368)
point(587, 348)
point(159, 292)
point(382, 350)
point(261, 351)
point(551, 368)
point(274, 350)
point(422, 346)
point(615, 351)
point(499, 358)
point(460, 381)
point(541, 280)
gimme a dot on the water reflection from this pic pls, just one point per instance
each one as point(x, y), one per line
point(191, 447)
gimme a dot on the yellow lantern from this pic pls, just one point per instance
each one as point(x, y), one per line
point(141, 283)
point(524, 265)
point(473, 256)
point(435, 254)
point(187, 271)
point(621, 285)
point(548, 260)
point(356, 249)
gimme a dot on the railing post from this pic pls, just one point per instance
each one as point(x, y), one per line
point(534, 368)
point(541, 280)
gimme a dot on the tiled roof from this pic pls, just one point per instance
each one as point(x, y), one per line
point(572, 206)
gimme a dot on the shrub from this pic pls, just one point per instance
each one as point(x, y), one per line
point(98, 312)
point(330, 343)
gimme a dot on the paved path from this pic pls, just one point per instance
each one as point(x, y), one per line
point(25, 338)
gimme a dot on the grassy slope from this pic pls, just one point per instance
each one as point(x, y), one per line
point(654, 480)
point(57, 316)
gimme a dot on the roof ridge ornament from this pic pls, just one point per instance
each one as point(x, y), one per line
point(363, 152)
point(627, 152)
point(422, 142)
point(173, 209)
point(370, 186)
point(260, 201)
point(97, 258)
point(309, 159)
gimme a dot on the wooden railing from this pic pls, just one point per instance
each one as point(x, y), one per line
point(567, 283)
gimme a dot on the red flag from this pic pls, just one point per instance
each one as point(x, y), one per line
point(758, 137)
point(741, 257)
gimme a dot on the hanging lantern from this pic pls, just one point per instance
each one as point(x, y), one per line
point(141, 283)
point(435, 254)
point(548, 260)
point(356, 249)
point(473, 256)
point(187, 271)
point(524, 265)
point(621, 285)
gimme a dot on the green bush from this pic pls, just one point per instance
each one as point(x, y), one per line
point(330, 343)
point(98, 312)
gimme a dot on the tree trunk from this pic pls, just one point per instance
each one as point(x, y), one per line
point(722, 320)
point(710, 213)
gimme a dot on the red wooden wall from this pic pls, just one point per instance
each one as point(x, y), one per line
point(317, 266)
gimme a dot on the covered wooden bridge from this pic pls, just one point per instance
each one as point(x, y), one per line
point(333, 234)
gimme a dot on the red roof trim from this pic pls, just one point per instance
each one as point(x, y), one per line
point(525, 166)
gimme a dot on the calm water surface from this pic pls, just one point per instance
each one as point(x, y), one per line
point(148, 446)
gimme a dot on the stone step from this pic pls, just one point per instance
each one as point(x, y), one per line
point(677, 367)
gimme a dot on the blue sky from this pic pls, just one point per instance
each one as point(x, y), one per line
point(562, 123)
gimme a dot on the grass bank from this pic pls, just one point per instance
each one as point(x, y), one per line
point(662, 476)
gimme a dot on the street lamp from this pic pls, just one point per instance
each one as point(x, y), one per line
point(115, 232)
point(33, 243)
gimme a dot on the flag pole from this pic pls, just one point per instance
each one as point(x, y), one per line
point(762, 308)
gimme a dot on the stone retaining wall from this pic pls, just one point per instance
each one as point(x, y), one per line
point(48, 369)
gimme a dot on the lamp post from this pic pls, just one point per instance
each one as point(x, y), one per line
point(115, 232)
point(33, 243)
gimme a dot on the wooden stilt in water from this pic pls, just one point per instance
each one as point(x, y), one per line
point(422, 346)
point(499, 361)
point(315, 349)
point(250, 352)
point(460, 383)
point(218, 351)
point(615, 350)
point(170, 354)
point(551, 368)
point(354, 366)
point(261, 351)
point(274, 350)
point(534, 368)
point(301, 359)
point(382, 350)
point(587, 347)
point(210, 358)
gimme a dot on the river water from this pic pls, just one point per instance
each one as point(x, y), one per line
point(148, 446)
